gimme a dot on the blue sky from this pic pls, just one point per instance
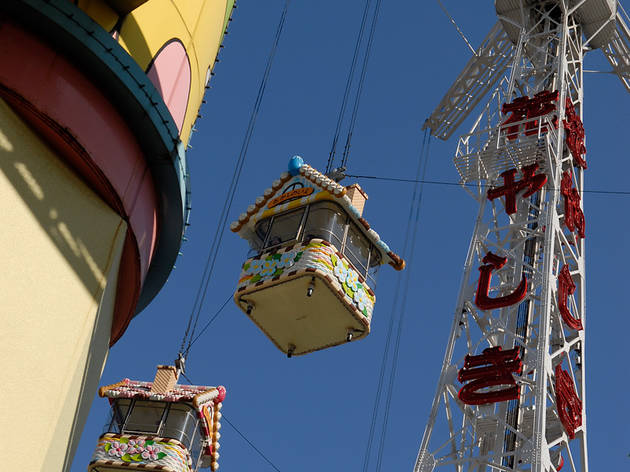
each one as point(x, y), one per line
point(314, 411)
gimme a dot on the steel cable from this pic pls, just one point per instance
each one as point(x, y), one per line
point(260, 453)
point(346, 93)
point(207, 325)
point(357, 98)
point(455, 184)
point(415, 224)
point(390, 329)
point(238, 431)
point(220, 230)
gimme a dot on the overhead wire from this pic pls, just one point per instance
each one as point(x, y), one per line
point(456, 184)
point(414, 224)
point(242, 435)
point(377, 400)
point(207, 325)
point(260, 453)
point(357, 99)
point(220, 229)
point(346, 93)
point(461, 33)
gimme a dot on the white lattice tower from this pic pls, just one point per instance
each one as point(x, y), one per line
point(512, 387)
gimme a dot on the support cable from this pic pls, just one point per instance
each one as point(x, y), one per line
point(474, 185)
point(357, 98)
point(461, 33)
point(207, 325)
point(238, 431)
point(415, 224)
point(346, 93)
point(220, 230)
point(260, 453)
point(390, 329)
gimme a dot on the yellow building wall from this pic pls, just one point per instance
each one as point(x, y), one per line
point(60, 248)
point(198, 24)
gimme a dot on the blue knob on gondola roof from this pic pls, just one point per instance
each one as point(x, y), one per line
point(294, 165)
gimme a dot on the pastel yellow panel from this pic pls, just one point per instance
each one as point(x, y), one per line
point(174, 41)
point(60, 250)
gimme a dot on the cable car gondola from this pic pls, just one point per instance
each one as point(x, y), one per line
point(310, 283)
point(160, 425)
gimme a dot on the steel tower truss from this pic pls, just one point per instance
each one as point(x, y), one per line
point(511, 393)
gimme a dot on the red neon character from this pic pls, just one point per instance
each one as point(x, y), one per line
point(566, 287)
point(485, 302)
point(527, 108)
point(531, 183)
point(574, 134)
point(497, 369)
point(567, 402)
point(518, 112)
point(539, 105)
point(573, 214)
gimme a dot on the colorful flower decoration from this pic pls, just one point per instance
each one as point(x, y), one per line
point(340, 270)
point(136, 446)
point(321, 257)
point(134, 450)
point(268, 267)
point(117, 449)
point(362, 300)
point(287, 259)
point(151, 453)
point(352, 280)
point(254, 266)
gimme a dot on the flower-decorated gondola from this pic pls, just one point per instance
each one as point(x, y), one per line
point(310, 284)
point(160, 425)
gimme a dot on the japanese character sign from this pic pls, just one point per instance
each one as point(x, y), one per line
point(567, 402)
point(573, 214)
point(531, 183)
point(492, 368)
point(566, 287)
point(525, 108)
point(574, 134)
point(493, 262)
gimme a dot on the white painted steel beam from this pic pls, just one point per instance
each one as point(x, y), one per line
point(617, 51)
point(477, 79)
point(526, 432)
